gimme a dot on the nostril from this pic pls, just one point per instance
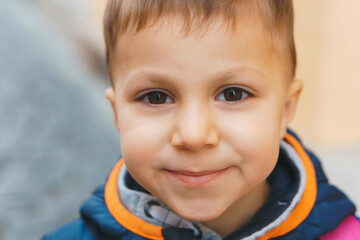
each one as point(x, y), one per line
point(194, 140)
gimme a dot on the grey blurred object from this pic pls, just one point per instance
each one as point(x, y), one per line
point(57, 140)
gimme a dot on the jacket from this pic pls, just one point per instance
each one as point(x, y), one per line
point(302, 205)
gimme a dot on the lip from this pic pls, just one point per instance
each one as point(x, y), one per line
point(197, 179)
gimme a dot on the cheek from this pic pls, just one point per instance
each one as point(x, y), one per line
point(255, 138)
point(141, 138)
point(141, 144)
point(137, 141)
point(137, 153)
point(252, 129)
point(260, 158)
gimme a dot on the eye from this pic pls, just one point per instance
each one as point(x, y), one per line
point(156, 98)
point(233, 94)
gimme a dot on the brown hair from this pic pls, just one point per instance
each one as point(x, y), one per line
point(122, 15)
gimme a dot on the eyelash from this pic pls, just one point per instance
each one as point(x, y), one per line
point(221, 97)
point(243, 94)
point(146, 97)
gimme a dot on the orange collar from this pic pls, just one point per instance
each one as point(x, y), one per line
point(307, 201)
point(147, 230)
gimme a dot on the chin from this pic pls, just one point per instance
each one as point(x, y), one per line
point(200, 214)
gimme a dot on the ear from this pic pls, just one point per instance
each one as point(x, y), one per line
point(110, 95)
point(291, 101)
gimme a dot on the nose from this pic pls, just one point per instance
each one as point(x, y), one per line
point(194, 129)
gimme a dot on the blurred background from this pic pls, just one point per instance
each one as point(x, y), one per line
point(57, 139)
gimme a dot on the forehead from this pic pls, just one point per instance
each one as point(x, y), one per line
point(165, 48)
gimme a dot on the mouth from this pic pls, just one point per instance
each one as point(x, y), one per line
point(197, 179)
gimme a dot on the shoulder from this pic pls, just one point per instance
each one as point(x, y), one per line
point(95, 223)
point(76, 229)
point(81, 229)
point(349, 229)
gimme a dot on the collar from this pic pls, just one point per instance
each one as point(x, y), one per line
point(292, 213)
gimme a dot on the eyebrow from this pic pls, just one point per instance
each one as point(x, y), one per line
point(148, 75)
point(233, 72)
point(220, 75)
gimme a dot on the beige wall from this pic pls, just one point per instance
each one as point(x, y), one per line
point(100, 8)
point(328, 42)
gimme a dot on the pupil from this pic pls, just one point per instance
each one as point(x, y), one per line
point(157, 98)
point(233, 94)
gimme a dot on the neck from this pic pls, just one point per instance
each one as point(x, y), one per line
point(240, 213)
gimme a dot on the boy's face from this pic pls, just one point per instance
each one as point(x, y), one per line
point(201, 117)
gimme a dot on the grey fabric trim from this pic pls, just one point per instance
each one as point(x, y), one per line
point(135, 201)
point(298, 163)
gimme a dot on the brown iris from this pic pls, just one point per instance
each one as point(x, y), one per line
point(157, 97)
point(233, 94)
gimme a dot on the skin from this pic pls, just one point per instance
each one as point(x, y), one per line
point(204, 156)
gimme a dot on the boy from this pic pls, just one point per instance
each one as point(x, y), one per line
point(203, 92)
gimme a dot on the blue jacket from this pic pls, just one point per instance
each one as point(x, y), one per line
point(302, 205)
